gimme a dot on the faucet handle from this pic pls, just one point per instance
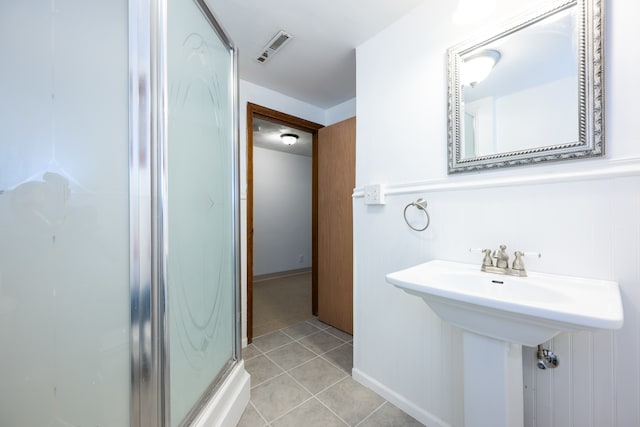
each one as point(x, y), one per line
point(487, 261)
point(517, 262)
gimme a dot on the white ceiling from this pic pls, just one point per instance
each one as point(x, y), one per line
point(318, 65)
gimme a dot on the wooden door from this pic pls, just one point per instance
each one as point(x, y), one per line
point(336, 180)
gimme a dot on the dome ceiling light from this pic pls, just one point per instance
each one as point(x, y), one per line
point(289, 138)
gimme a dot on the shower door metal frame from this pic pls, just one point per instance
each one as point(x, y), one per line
point(150, 396)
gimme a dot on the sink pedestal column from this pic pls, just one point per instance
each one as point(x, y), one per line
point(493, 390)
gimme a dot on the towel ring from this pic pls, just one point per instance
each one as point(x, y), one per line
point(421, 204)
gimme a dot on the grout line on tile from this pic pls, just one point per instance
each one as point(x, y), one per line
point(335, 366)
point(308, 348)
point(294, 408)
point(329, 386)
point(331, 410)
point(336, 335)
point(320, 354)
point(371, 413)
point(287, 370)
point(252, 357)
point(259, 413)
point(308, 335)
point(260, 353)
point(332, 364)
point(322, 327)
point(275, 348)
point(300, 384)
point(267, 380)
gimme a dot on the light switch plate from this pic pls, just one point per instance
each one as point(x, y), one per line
point(373, 194)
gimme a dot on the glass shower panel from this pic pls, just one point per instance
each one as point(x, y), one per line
point(64, 213)
point(200, 260)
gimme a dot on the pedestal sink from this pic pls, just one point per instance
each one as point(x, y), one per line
point(498, 314)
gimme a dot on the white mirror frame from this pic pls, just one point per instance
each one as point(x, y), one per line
point(590, 15)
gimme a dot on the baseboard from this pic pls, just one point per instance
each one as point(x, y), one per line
point(401, 402)
point(228, 404)
point(278, 274)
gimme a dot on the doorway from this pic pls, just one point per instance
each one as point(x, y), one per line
point(257, 113)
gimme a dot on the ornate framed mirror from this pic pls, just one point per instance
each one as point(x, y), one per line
point(530, 93)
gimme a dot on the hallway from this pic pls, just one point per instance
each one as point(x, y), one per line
point(280, 302)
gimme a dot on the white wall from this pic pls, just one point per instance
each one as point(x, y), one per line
point(585, 227)
point(281, 211)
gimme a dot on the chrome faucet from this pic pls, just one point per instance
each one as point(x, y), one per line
point(501, 264)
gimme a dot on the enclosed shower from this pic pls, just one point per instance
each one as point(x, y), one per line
point(119, 258)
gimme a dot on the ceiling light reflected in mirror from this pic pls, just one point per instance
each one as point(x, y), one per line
point(477, 67)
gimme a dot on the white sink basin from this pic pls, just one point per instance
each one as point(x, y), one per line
point(521, 310)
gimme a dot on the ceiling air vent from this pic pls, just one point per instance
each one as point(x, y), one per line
point(274, 46)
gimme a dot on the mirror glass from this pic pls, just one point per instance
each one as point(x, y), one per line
point(529, 93)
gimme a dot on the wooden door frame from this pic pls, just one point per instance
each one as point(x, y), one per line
point(306, 126)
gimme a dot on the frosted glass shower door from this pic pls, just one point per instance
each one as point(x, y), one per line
point(201, 277)
point(64, 214)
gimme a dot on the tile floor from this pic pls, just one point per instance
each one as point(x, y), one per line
point(301, 377)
